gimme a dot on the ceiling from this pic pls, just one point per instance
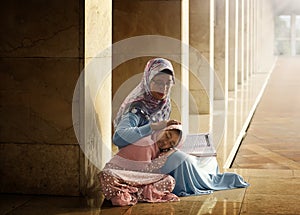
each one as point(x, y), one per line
point(284, 7)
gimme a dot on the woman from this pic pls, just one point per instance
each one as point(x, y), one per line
point(129, 176)
point(146, 109)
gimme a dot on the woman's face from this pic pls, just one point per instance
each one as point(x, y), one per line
point(167, 139)
point(160, 85)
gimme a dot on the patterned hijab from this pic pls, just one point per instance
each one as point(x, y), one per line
point(157, 110)
point(156, 134)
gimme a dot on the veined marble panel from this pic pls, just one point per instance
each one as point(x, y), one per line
point(39, 169)
point(36, 100)
point(132, 18)
point(40, 28)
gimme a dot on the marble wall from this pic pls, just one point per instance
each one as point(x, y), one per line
point(140, 17)
point(232, 81)
point(219, 47)
point(41, 58)
point(199, 39)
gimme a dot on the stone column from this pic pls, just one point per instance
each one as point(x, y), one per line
point(184, 95)
point(246, 31)
point(220, 45)
point(96, 142)
point(240, 43)
point(41, 53)
point(199, 39)
point(255, 24)
point(251, 35)
point(232, 79)
point(247, 48)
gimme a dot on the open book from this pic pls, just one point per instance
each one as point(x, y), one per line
point(199, 145)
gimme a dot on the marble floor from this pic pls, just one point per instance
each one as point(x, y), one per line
point(272, 140)
point(268, 158)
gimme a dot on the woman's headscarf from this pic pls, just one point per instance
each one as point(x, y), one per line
point(158, 110)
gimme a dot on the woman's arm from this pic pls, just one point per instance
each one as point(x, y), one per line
point(128, 130)
point(134, 126)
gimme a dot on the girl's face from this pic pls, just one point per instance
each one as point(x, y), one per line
point(167, 139)
point(160, 85)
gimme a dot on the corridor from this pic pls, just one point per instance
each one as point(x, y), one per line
point(268, 158)
point(272, 140)
point(66, 67)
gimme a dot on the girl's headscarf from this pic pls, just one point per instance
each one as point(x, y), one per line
point(157, 110)
point(125, 161)
point(156, 134)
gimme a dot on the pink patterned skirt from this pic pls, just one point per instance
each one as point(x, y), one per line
point(124, 187)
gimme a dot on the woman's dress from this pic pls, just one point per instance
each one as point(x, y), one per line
point(191, 176)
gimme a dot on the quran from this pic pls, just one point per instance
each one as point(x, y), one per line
point(199, 145)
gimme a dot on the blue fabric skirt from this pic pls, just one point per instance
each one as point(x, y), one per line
point(195, 176)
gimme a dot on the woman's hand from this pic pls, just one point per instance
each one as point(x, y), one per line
point(162, 124)
point(173, 122)
point(159, 125)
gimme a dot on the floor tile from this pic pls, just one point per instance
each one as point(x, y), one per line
point(10, 202)
point(274, 129)
point(271, 204)
point(234, 195)
point(296, 173)
point(54, 205)
point(269, 173)
point(186, 207)
point(273, 186)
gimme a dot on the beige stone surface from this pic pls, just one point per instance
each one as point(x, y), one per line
point(36, 97)
point(10, 202)
point(49, 205)
point(199, 39)
point(219, 47)
point(97, 124)
point(200, 98)
point(134, 18)
point(272, 139)
point(41, 57)
point(203, 204)
point(288, 186)
point(199, 26)
point(231, 47)
point(39, 169)
point(98, 24)
point(39, 29)
point(271, 204)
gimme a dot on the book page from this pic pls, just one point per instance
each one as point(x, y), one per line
point(198, 145)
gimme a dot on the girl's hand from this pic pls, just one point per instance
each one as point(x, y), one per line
point(167, 153)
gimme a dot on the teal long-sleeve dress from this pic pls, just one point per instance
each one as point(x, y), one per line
point(193, 175)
